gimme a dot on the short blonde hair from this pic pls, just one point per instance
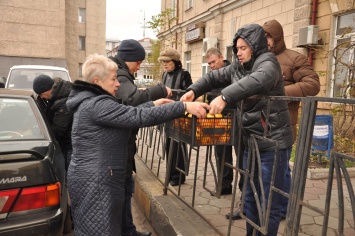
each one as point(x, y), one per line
point(212, 51)
point(97, 66)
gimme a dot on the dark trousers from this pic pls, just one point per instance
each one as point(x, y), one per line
point(228, 158)
point(177, 155)
point(128, 227)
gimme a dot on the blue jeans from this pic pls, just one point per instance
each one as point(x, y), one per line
point(286, 189)
point(250, 208)
point(128, 228)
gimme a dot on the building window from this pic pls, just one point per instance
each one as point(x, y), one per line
point(229, 53)
point(343, 57)
point(189, 4)
point(188, 61)
point(173, 8)
point(81, 43)
point(82, 15)
point(80, 70)
point(205, 66)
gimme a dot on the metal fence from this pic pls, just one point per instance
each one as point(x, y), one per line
point(151, 149)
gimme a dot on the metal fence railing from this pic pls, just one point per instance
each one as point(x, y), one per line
point(151, 149)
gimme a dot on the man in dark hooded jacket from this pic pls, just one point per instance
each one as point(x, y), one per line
point(254, 72)
point(129, 57)
point(55, 92)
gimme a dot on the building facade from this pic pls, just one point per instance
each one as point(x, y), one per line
point(197, 25)
point(51, 32)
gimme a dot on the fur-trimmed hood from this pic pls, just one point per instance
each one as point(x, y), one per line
point(81, 91)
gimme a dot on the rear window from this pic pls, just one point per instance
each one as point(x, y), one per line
point(18, 121)
point(23, 78)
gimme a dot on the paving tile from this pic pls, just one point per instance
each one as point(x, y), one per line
point(332, 222)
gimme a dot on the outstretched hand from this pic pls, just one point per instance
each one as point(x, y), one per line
point(217, 105)
point(162, 101)
point(169, 92)
point(199, 109)
point(188, 97)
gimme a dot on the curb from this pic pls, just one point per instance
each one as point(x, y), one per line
point(323, 173)
point(167, 214)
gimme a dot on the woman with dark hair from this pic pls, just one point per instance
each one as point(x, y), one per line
point(175, 77)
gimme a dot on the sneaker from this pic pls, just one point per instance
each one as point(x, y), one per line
point(235, 215)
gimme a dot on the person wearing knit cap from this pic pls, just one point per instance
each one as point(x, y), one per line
point(129, 58)
point(55, 93)
point(300, 80)
point(131, 50)
point(175, 77)
point(42, 85)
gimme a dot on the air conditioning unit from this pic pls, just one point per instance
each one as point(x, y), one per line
point(209, 43)
point(308, 35)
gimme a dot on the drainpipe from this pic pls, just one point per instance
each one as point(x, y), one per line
point(313, 22)
point(177, 22)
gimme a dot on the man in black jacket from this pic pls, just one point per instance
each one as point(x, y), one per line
point(55, 93)
point(215, 61)
point(255, 71)
point(129, 57)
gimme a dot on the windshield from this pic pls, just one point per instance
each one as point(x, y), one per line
point(23, 78)
point(17, 120)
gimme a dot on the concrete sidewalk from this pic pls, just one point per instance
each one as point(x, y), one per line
point(168, 215)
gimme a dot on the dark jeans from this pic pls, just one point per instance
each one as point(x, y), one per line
point(250, 208)
point(227, 172)
point(128, 227)
point(286, 189)
point(177, 150)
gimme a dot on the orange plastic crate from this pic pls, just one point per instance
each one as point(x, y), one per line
point(204, 132)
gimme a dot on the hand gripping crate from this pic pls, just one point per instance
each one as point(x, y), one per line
point(213, 130)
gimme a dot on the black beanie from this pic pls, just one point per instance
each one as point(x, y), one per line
point(131, 50)
point(42, 83)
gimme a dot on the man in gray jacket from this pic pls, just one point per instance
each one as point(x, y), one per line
point(254, 72)
point(129, 57)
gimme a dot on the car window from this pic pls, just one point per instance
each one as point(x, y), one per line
point(17, 120)
point(23, 78)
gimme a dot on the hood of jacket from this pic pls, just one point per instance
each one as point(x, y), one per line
point(275, 30)
point(254, 36)
point(81, 91)
point(61, 89)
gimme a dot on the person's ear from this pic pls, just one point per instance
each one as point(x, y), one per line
point(96, 80)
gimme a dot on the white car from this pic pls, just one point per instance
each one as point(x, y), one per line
point(22, 76)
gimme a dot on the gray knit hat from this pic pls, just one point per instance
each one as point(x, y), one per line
point(169, 54)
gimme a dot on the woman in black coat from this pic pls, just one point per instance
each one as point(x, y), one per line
point(100, 132)
point(177, 78)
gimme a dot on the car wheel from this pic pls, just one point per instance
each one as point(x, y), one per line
point(68, 225)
